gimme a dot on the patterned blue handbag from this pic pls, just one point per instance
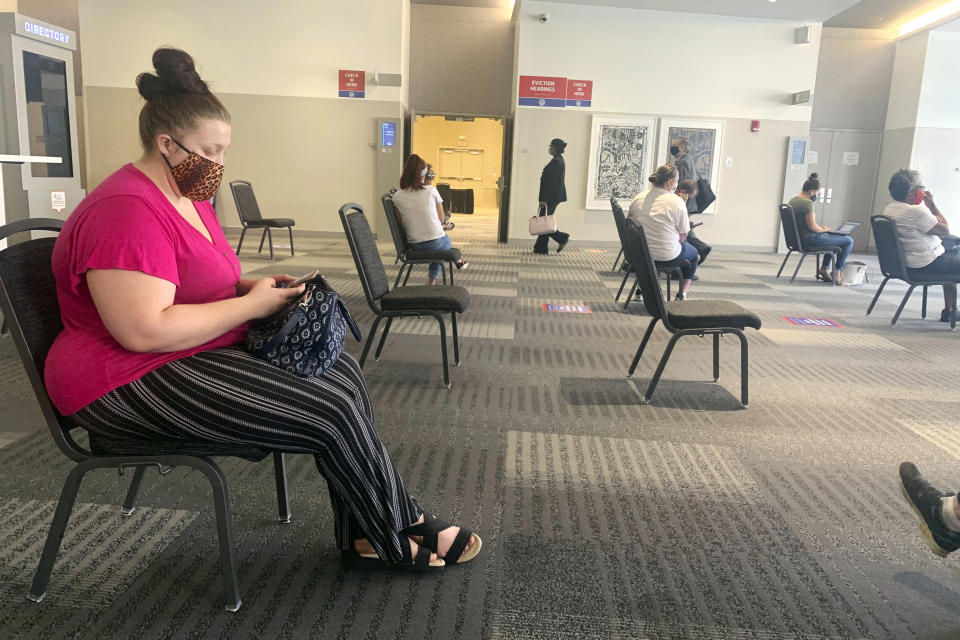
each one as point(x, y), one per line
point(308, 336)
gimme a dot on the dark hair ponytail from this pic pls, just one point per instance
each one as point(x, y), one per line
point(812, 183)
point(177, 98)
point(663, 175)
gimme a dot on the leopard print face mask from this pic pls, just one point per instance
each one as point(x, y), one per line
point(197, 177)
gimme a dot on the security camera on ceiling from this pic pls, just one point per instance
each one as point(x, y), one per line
point(544, 17)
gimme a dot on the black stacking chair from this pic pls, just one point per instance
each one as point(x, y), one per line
point(400, 302)
point(675, 271)
point(791, 235)
point(28, 300)
point(409, 257)
point(893, 266)
point(684, 318)
point(250, 218)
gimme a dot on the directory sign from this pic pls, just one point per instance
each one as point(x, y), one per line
point(388, 134)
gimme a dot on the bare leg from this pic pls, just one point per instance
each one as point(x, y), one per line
point(684, 285)
point(432, 280)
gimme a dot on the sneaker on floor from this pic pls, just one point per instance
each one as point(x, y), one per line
point(462, 264)
point(945, 315)
point(681, 296)
point(925, 500)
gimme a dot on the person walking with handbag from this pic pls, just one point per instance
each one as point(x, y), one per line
point(553, 191)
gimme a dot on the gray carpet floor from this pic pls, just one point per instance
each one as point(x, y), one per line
point(601, 517)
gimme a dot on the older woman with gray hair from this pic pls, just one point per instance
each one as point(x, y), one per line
point(928, 247)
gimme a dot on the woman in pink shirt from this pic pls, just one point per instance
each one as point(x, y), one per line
point(154, 306)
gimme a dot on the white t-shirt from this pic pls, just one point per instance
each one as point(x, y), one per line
point(664, 217)
point(418, 213)
point(914, 221)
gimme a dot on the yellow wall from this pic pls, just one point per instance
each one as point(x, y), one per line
point(430, 133)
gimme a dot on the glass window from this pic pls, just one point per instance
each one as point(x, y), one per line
point(48, 118)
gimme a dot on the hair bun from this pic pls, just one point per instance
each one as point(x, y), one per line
point(175, 74)
point(814, 176)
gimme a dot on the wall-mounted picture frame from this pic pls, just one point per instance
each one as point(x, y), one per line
point(704, 142)
point(621, 158)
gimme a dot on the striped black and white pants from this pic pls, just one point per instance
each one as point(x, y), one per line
point(229, 396)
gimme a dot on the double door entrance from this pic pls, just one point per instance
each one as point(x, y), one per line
point(847, 163)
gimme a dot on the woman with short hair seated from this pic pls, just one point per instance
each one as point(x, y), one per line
point(421, 214)
point(812, 235)
point(663, 215)
point(924, 235)
point(154, 307)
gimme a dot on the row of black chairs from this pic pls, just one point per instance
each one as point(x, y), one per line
point(893, 264)
point(681, 318)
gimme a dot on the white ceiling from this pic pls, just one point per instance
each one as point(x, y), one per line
point(803, 10)
point(880, 14)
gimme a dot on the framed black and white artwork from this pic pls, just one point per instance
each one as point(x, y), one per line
point(703, 141)
point(621, 157)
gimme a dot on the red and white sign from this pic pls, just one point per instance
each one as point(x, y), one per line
point(579, 93)
point(352, 83)
point(542, 91)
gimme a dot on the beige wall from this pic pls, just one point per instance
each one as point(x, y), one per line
point(853, 79)
point(430, 133)
point(304, 156)
point(461, 59)
point(749, 192)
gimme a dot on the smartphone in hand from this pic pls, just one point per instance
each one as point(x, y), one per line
point(299, 281)
point(694, 225)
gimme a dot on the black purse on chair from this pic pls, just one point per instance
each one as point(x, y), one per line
point(306, 337)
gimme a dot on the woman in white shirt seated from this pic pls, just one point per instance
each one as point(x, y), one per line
point(421, 214)
point(663, 215)
point(924, 235)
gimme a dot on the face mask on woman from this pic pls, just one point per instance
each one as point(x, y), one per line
point(918, 197)
point(197, 177)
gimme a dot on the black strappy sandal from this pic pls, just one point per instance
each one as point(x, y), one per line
point(432, 525)
point(353, 559)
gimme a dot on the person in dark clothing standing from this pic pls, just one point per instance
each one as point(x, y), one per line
point(683, 159)
point(553, 191)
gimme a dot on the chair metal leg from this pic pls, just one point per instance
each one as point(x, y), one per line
point(669, 279)
point(366, 345)
point(923, 309)
point(280, 471)
point(784, 263)
point(617, 260)
point(443, 348)
point(452, 269)
point(660, 367)
point(903, 303)
point(290, 230)
point(396, 283)
point(643, 345)
point(633, 290)
point(622, 285)
point(443, 273)
point(716, 357)
point(130, 502)
point(228, 562)
point(877, 295)
point(243, 232)
point(68, 495)
point(263, 236)
point(817, 272)
point(383, 339)
point(409, 271)
point(797, 270)
point(744, 370)
point(456, 339)
point(270, 238)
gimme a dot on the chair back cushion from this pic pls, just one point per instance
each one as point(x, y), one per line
point(637, 252)
point(247, 207)
point(791, 234)
point(396, 228)
point(366, 256)
point(889, 250)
